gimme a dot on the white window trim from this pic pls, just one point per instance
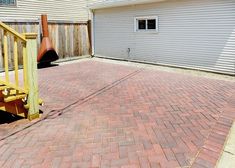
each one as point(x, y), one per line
point(146, 18)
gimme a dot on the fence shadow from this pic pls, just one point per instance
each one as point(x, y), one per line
point(46, 65)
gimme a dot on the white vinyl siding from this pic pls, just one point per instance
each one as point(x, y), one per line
point(68, 10)
point(198, 34)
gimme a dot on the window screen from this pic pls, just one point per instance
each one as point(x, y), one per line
point(151, 23)
point(142, 24)
point(7, 2)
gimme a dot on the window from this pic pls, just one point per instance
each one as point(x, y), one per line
point(146, 24)
point(7, 2)
point(151, 24)
point(141, 24)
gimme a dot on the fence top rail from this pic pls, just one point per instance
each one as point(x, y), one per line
point(12, 31)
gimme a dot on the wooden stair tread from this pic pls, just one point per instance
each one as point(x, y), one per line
point(14, 97)
point(2, 87)
point(12, 92)
point(6, 85)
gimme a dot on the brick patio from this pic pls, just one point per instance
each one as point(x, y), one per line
point(108, 115)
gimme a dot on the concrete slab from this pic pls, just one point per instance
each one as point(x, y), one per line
point(227, 159)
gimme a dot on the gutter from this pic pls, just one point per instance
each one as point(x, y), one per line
point(119, 3)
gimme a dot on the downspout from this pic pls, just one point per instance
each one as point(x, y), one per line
point(93, 32)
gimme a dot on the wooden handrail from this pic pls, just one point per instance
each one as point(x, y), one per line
point(11, 91)
point(12, 31)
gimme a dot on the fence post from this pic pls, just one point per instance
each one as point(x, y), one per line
point(31, 64)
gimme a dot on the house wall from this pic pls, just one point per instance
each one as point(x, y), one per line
point(57, 10)
point(197, 34)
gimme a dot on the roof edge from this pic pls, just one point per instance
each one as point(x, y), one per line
point(119, 3)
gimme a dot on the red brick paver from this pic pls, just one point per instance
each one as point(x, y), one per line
point(105, 115)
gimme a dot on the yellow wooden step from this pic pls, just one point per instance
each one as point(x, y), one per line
point(9, 86)
point(2, 87)
point(11, 95)
point(12, 92)
point(14, 97)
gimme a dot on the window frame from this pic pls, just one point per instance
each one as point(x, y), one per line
point(10, 5)
point(146, 18)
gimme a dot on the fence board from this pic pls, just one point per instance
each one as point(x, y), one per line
point(68, 39)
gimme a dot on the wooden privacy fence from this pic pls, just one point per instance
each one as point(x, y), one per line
point(68, 39)
point(15, 97)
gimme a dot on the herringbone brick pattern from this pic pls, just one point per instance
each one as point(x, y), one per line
point(106, 115)
point(61, 86)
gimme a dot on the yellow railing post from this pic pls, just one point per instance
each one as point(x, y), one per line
point(5, 45)
point(25, 76)
point(16, 62)
point(31, 64)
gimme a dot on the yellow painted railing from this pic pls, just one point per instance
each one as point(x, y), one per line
point(15, 98)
